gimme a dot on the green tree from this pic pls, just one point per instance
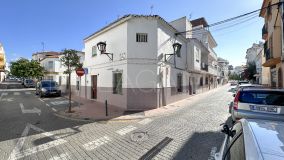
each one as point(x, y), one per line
point(26, 69)
point(71, 61)
point(250, 71)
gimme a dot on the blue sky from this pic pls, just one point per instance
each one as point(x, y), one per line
point(60, 24)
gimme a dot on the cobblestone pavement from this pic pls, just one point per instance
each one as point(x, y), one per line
point(192, 132)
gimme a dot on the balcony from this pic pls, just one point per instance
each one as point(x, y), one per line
point(212, 70)
point(204, 66)
point(264, 32)
point(270, 60)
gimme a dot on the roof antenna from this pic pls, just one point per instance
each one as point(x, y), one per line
point(189, 17)
point(42, 43)
point(151, 8)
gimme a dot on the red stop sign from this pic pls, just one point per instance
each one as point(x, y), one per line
point(80, 72)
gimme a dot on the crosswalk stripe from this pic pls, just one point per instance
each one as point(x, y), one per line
point(28, 93)
point(126, 130)
point(96, 143)
point(16, 93)
point(145, 121)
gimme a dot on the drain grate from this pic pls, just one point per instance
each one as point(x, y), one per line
point(156, 149)
point(139, 136)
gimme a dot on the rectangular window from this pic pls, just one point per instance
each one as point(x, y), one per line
point(197, 54)
point(201, 81)
point(94, 51)
point(117, 83)
point(60, 80)
point(141, 37)
point(271, 46)
point(179, 83)
point(50, 65)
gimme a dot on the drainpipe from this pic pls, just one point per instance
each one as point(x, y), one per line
point(282, 39)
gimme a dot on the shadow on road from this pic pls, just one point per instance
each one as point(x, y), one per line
point(200, 145)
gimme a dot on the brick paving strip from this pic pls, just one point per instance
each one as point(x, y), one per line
point(88, 112)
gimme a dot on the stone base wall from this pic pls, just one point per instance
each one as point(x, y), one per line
point(137, 99)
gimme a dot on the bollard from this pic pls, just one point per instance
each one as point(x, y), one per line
point(106, 108)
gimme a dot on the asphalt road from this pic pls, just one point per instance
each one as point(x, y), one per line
point(30, 130)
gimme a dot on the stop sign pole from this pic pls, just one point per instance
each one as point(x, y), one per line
point(80, 72)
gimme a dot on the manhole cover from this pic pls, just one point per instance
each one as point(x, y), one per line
point(139, 136)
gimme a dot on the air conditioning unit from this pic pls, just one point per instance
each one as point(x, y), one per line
point(122, 56)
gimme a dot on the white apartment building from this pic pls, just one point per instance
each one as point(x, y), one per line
point(253, 51)
point(2, 63)
point(143, 73)
point(55, 70)
point(201, 32)
point(223, 66)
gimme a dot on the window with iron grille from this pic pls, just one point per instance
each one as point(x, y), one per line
point(141, 37)
point(94, 51)
point(117, 83)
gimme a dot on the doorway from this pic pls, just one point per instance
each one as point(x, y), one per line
point(94, 87)
point(280, 80)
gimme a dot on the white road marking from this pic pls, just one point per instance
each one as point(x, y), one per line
point(96, 143)
point(34, 110)
point(212, 153)
point(61, 102)
point(126, 130)
point(55, 110)
point(63, 156)
point(145, 121)
point(3, 94)
point(16, 93)
point(47, 105)
point(41, 100)
point(18, 153)
point(28, 93)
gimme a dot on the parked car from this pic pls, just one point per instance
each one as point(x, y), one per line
point(258, 103)
point(47, 88)
point(246, 85)
point(28, 83)
point(243, 82)
point(253, 139)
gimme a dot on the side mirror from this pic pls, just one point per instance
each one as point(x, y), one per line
point(227, 131)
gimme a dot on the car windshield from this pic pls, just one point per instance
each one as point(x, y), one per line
point(48, 84)
point(263, 97)
point(29, 81)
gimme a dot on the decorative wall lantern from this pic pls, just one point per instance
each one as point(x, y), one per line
point(102, 48)
point(176, 47)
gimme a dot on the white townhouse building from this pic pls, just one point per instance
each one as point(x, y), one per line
point(2, 63)
point(55, 69)
point(253, 51)
point(223, 66)
point(201, 32)
point(139, 68)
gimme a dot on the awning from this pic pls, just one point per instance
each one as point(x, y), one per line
point(271, 62)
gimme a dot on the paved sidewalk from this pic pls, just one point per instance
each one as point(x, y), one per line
point(95, 111)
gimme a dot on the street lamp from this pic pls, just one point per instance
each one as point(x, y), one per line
point(102, 48)
point(176, 48)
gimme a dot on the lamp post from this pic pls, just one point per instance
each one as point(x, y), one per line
point(102, 48)
point(176, 48)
